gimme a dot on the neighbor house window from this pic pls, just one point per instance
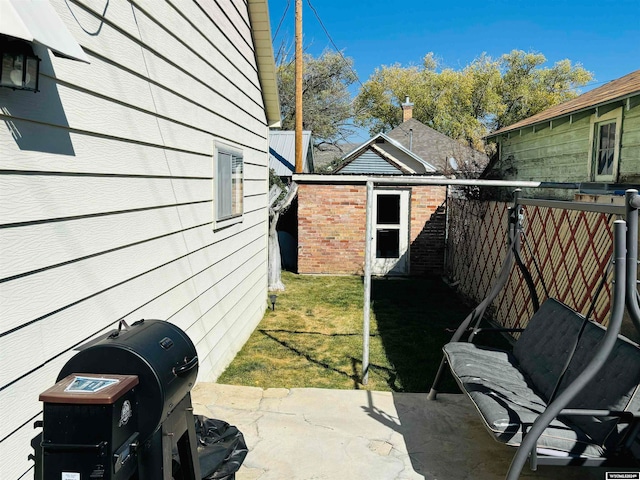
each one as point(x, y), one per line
point(605, 146)
point(228, 185)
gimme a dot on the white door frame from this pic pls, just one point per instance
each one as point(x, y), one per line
point(382, 263)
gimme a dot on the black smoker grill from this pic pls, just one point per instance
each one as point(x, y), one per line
point(132, 431)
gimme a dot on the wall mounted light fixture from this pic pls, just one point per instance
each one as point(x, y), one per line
point(19, 67)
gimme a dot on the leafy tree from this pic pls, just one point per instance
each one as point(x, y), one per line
point(467, 104)
point(527, 89)
point(326, 101)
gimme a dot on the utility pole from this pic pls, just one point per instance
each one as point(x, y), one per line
point(298, 136)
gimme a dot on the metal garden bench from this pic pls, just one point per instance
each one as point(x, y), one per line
point(568, 393)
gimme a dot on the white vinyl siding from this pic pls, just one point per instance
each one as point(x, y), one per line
point(106, 180)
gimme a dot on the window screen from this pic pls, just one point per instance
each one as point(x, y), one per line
point(229, 184)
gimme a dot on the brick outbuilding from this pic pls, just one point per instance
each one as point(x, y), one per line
point(409, 226)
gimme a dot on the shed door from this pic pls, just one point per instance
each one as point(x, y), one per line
point(391, 232)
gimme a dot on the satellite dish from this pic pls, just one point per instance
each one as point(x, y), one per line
point(453, 164)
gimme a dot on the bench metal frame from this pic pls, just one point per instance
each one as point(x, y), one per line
point(624, 293)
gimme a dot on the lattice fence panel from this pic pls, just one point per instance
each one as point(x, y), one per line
point(567, 253)
point(475, 244)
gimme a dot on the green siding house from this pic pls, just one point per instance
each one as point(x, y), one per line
point(592, 140)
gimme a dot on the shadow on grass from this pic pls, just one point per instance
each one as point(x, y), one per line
point(354, 376)
point(356, 364)
point(300, 332)
point(415, 318)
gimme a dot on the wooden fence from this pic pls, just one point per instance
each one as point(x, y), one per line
point(567, 253)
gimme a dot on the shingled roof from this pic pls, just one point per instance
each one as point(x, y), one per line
point(616, 90)
point(436, 148)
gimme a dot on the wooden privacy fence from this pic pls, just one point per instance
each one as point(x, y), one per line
point(566, 252)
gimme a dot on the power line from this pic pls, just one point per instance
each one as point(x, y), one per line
point(596, 83)
point(333, 43)
point(286, 9)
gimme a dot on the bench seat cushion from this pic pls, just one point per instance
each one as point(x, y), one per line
point(547, 344)
point(506, 401)
point(544, 347)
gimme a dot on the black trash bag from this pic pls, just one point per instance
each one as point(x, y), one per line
point(221, 448)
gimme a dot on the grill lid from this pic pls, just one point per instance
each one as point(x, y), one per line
point(158, 352)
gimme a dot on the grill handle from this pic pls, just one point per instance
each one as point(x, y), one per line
point(71, 447)
point(187, 367)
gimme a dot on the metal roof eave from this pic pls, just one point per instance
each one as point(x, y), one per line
point(282, 151)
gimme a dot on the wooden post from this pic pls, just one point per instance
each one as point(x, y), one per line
point(298, 136)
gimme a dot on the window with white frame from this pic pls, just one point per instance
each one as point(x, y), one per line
point(228, 185)
point(605, 146)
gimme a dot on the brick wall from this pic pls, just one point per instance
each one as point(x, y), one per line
point(331, 228)
point(427, 230)
point(332, 222)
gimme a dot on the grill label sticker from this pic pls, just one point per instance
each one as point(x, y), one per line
point(89, 384)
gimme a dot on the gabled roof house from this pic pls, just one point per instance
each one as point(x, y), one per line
point(383, 155)
point(592, 140)
point(134, 185)
point(413, 148)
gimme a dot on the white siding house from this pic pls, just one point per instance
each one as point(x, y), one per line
point(109, 180)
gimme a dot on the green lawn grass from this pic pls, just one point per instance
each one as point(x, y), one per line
point(313, 338)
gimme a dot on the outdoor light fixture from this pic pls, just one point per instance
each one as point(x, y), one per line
point(20, 67)
point(273, 298)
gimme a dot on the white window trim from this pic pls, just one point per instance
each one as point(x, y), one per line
point(225, 147)
point(609, 117)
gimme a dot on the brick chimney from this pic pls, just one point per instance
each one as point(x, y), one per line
point(407, 109)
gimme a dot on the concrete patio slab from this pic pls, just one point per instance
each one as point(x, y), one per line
point(313, 433)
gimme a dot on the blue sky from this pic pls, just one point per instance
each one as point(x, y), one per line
point(604, 36)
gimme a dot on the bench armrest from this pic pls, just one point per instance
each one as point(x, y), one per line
point(626, 416)
point(630, 418)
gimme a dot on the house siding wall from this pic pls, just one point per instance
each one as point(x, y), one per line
point(107, 195)
point(332, 223)
point(630, 147)
point(561, 153)
point(370, 163)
